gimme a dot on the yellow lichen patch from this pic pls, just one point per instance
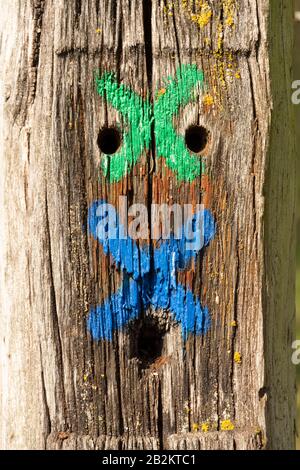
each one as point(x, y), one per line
point(203, 17)
point(208, 100)
point(161, 92)
point(225, 67)
point(195, 427)
point(226, 63)
point(229, 21)
point(204, 427)
point(168, 10)
point(199, 11)
point(227, 425)
point(98, 30)
point(233, 324)
point(237, 357)
point(229, 8)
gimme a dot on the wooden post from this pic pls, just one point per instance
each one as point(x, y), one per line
point(144, 344)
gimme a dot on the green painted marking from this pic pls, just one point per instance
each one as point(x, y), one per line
point(179, 92)
point(138, 115)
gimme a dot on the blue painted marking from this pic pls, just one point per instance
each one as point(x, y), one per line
point(146, 284)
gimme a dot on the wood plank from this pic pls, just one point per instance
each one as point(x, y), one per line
point(146, 72)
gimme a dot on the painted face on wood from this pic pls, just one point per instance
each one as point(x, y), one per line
point(138, 114)
point(151, 271)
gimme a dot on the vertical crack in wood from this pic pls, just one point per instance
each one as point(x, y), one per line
point(54, 316)
point(176, 40)
point(160, 428)
point(258, 41)
point(38, 7)
point(45, 401)
point(119, 386)
point(78, 7)
point(147, 20)
point(147, 23)
point(97, 5)
point(119, 24)
point(235, 318)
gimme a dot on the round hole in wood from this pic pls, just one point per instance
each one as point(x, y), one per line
point(109, 140)
point(196, 138)
point(147, 343)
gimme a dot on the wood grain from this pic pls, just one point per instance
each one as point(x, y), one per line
point(59, 388)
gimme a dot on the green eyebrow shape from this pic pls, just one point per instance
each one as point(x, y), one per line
point(170, 145)
point(138, 115)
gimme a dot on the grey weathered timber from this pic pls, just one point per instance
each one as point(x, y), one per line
point(60, 389)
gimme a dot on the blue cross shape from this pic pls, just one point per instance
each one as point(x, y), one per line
point(149, 279)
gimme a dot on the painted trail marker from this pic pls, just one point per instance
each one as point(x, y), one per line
point(141, 340)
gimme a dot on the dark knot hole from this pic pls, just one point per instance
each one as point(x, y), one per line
point(148, 341)
point(196, 138)
point(109, 140)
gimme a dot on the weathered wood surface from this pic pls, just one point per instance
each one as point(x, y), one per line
point(59, 387)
